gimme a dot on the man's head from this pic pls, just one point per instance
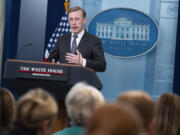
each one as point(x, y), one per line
point(76, 18)
point(142, 102)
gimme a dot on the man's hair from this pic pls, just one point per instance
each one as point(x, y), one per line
point(7, 109)
point(35, 107)
point(81, 102)
point(115, 119)
point(73, 9)
point(142, 102)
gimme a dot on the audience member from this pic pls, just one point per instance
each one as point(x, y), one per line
point(36, 113)
point(143, 103)
point(167, 115)
point(7, 109)
point(113, 119)
point(80, 102)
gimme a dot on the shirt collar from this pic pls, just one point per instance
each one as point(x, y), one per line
point(80, 34)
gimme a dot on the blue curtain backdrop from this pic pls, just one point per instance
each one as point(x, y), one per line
point(11, 32)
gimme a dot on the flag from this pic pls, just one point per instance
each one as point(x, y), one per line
point(62, 28)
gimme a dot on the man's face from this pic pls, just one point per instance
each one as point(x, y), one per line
point(76, 21)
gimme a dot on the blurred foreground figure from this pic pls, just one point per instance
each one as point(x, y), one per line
point(144, 105)
point(121, 119)
point(81, 101)
point(36, 113)
point(167, 115)
point(7, 109)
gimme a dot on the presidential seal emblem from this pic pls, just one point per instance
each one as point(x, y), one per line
point(125, 32)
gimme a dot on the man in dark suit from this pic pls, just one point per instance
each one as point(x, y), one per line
point(79, 47)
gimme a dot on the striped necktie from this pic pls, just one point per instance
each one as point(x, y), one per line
point(74, 44)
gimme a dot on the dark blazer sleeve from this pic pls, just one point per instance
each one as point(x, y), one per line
point(95, 54)
point(61, 47)
point(54, 54)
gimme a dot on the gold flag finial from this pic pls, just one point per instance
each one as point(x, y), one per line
point(66, 5)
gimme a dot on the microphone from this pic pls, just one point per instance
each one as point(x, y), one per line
point(21, 49)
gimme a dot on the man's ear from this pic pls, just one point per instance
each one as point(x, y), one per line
point(84, 20)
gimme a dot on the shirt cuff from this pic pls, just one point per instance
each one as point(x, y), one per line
point(84, 62)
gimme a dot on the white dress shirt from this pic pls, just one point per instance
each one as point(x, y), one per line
point(78, 39)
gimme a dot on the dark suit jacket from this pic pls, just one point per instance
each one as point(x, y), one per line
point(89, 46)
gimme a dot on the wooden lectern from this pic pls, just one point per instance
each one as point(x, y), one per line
point(55, 78)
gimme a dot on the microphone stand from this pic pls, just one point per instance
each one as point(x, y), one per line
point(24, 46)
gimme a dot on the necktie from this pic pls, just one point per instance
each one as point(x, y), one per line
point(74, 44)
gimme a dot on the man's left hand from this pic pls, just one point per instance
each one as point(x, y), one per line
point(74, 59)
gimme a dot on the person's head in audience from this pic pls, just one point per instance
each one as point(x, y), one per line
point(167, 115)
point(36, 111)
point(81, 101)
point(115, 119)
point(7, 109)
point(143, 103)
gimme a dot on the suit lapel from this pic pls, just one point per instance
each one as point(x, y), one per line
point(68, 43)
point(83, 40)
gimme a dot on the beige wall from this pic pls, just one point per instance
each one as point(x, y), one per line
point(2, 24)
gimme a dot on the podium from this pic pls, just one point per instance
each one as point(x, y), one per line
point(55, 78)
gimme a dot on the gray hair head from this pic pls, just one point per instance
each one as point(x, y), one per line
point(81, 101)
